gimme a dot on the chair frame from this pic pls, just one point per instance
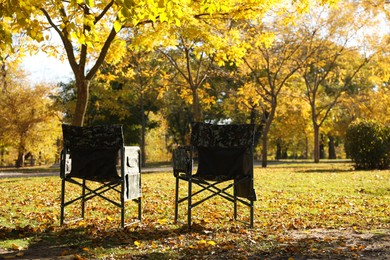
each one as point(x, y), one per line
point(119, 185)
point(186, 166)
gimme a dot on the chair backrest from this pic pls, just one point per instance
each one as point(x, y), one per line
point(224, 151)
point(93, 137)
point(93, 151)
point(224, 136)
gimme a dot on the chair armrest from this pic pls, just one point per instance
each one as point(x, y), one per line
point(132, 172)
point(65, 164)
point(132, 159)
point(182, 161)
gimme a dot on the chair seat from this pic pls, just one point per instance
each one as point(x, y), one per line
point(211, 177)
point(96, 179)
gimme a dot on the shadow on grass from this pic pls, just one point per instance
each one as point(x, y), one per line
point(82, 243)
point(70, 243)
point(326, 170)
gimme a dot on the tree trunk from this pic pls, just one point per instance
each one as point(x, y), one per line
point(316, 151)
point(253, 115)
point(268, 118)
point(82, 101)
point(278, 155)
point(284, 153)
point(306, 156)
point(331, 147)
point(196, 105)
point(267, 126)
point(143, 132)
point(264, 152)
point(20, 161)
point(322, 150)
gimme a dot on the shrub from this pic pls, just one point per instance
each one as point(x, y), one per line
point(368, 145)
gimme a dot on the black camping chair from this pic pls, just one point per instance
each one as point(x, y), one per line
point(92, 154)
point(225, 155)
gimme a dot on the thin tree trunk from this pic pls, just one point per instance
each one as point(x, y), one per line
point(267, 126)
point(196, 106)
point(143, 132)
point(316, 151)
point(331, 147)
point(306, 148)
point(82, 101)
point(20, 161)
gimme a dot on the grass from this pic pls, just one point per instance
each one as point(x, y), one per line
point(292, 198)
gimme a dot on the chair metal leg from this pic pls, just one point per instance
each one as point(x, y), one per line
point(140, 209)
point(176, 199)
point(251, 214)
point(83, 200)
point(235, 207)
point(189, 203)
point(62, 202)
point(122, 204)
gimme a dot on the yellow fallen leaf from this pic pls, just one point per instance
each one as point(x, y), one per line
point(137, 243)
point(211, 243)
point(162, 221)
point(110, 218)
point(85, 249)
point(16, 247)
point(202, 241)
point(78, 257)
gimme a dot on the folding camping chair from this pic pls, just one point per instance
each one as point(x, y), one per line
point(225, 155)
point(92, 154)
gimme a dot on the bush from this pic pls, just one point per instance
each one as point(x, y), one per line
point(368, 145)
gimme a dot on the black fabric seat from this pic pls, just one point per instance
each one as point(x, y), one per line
point(225, 154)
point(98, 154)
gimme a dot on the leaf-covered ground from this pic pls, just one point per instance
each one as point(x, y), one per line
point(304, 211)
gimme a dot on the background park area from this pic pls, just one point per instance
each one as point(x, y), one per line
point(304, 211)
point(313, 76)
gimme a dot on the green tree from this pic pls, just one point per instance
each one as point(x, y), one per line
point(135, 87)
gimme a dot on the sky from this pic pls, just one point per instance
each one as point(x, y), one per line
point(45, 69)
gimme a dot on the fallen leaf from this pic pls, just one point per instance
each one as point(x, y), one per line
point(16, 247)
point(211, 243)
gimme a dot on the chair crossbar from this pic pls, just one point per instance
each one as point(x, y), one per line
point(217, 192)
point(203, 183)
point(93, 193)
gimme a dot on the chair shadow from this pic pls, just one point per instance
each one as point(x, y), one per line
point(54, 242)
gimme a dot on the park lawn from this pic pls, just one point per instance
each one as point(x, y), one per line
point(294, 201)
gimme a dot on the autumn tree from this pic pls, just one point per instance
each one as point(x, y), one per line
point(290, 132)
point(337, 58)
point(272, 61)
point(193, 60)
point(27, 116)
point(87, 30)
